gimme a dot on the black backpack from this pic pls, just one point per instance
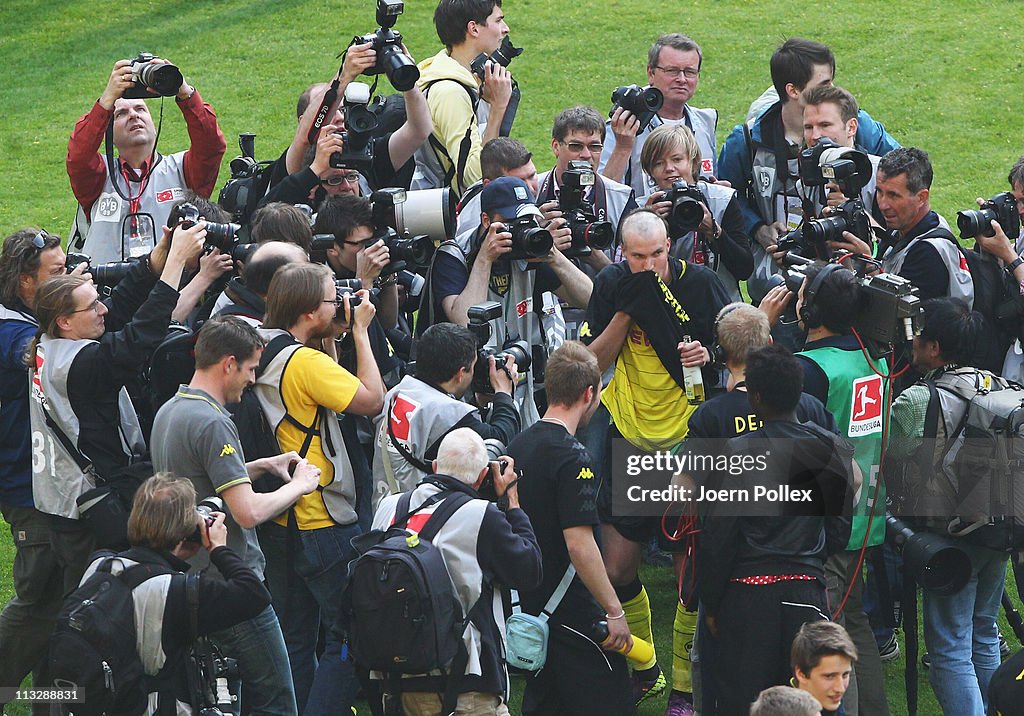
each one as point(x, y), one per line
point(94, 644)
point(399, 608)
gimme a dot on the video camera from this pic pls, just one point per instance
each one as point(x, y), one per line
point(163, 78)
point(502, 56)
point(888, 307)
point(687, 211)
point(109, 274)
point(218, 236)
point(851, 170)
point(392, 61)
point(978, 222)
point(642, 102)
point(480, 317)
point(587, 232)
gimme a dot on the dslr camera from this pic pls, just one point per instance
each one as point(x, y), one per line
point(529, 240)
point(978, 222)
point(480, 317)
point(851, 170)
point(687, 211)
point(109, 274)
point(360, 122)
point(587, 232)
point(164, 79)
point(642, 102)
point(405, 249)
point(218, 236)
point(392, 61)
point(502, 56)
point(236, 194)
point(346, 287)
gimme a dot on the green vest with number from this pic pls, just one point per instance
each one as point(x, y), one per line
point(857, 399)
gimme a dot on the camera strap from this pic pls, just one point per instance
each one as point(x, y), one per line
point(330, 97)
point(412, 460)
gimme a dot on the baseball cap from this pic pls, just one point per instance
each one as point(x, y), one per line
point(508, 196)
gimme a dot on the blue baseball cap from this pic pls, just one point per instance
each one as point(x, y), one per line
point(508, 196)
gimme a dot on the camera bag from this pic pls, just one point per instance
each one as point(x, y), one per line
point(978, 475)
point(94, 645)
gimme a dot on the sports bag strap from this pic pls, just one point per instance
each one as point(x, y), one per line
point(273, 349)
point(402, 511)
point(84, 463)
point(449, 505)
point(456, 170)
point(559, 593)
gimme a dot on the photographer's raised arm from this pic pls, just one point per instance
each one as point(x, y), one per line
point(624, 128)
point(576, 286)
point(207, 145)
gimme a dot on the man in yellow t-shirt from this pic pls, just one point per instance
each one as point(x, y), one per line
point(302, 390)
point(647, 404)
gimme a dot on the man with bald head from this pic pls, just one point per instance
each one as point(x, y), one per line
point(648, 327)
point(245, 296)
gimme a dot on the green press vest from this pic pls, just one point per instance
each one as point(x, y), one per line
point(856, 399)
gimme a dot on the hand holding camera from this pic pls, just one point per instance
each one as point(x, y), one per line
point(503, 376)
point(659, 204)
point(497, 243)
point(561, 236)
point(851, 243)
point(774, 303)
point(371, 261)
point(625, 127)
point(997, 243)
point(187, 242)
point(121, 79)
point(505, 479)
point(364, 312)
point(214, 534)
point(358, 59)
point(497, 85)
point(329, 142)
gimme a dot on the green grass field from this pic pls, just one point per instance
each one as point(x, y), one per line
point(938, 74)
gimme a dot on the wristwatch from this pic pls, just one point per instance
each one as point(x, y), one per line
point(1012, 266)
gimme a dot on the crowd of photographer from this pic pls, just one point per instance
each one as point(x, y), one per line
point(400, 371)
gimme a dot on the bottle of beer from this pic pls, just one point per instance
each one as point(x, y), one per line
point(693, 381)
point(641, 651)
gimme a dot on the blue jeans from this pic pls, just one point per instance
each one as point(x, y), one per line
point(258, 646)
point(306, 572)
point(961, 637)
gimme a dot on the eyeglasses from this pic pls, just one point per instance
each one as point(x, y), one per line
point(338, 179)
point(577, 147)
point(691, 73)
point(94, 306)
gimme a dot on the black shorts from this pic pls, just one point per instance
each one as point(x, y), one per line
point(635, 529)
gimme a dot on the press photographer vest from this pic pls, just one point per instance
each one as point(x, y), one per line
point(57, 478)
point(164, 186)
point(610, 198)
point(771, 185)
point(941, 239)
point(703, 123)
point(857, 400)
point(419, 415)
point(683, 247)
point(339, 494)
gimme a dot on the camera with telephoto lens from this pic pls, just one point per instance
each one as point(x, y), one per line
point(687, 210)
point(206, 508)
point(218, 236)
point(850, 170)
point(360, 122)
point(502, 56)
point(109, 274)
point(215, 680)
point(346, 287)
point(480, 317)
point(163, 78)
point(978, 222)
point(388, 225)
point(587, 232)
point(392, 61)
point(642, 102)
